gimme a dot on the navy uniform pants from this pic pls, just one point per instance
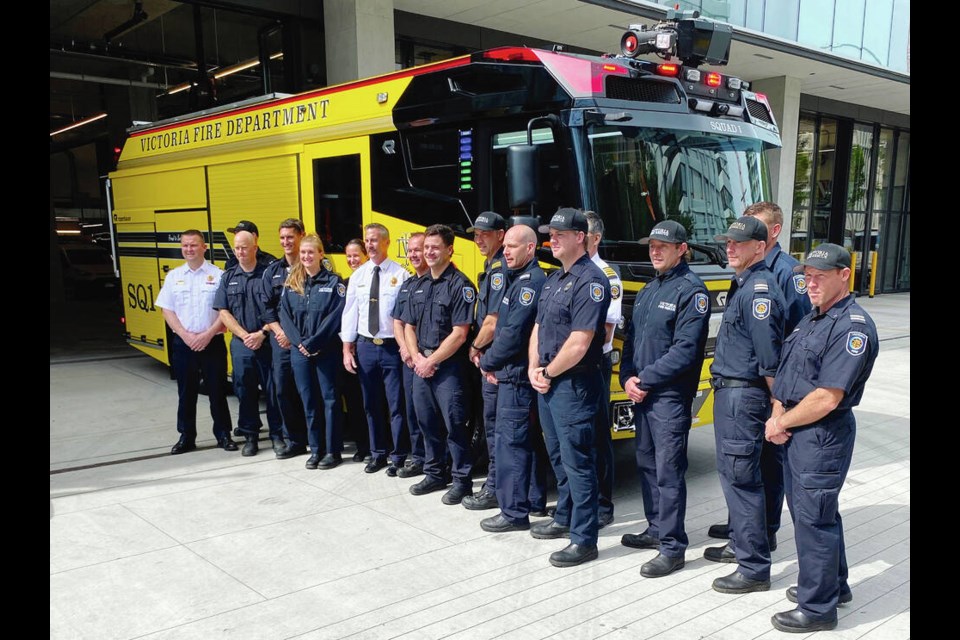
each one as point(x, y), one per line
point(252, 370)
point(519, 479)
point(740, 416)
point(319, 386)
point(288, 399)
point(413, 425)
point(604, 440)
point(355, 425)
point(663, 430)
point(818, 460)
point(567, 416)
point(488, 394)
point(443, 404)
point(771, 470)
point(187, 366)
point(381, 380)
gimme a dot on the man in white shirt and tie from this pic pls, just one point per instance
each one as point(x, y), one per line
point(370, 349)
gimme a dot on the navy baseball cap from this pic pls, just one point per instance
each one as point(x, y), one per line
point(245, 225)
point(743, 229)
point(825, 257)
point(666, 231)
point(488, 221)
point(566, 219)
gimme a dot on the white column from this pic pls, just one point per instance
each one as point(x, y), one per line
point(784, 96)
point(359, 39)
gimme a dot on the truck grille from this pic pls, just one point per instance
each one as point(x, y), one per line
point(758, 111)
point(642, 90)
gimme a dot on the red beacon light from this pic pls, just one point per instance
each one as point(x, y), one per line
point(713, 79)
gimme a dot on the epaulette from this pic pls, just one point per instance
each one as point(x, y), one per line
point(610, 272)
point(761, 286)
point(525, 276)
point(858, 317)
point(495, 265)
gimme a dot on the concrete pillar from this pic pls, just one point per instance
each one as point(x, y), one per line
point(359, 39)
point(784, 96)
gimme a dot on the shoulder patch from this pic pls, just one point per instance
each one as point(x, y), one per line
point(761, 308)
point(496, 265)
point(615, 292)
point(596, 292)
point(468, 294)
point(856, 317)
point(701, 302)
point(761, 286)
point(800, 283)
point(856, 343)
point(341, 290)
point(526, 296)
point(610, 272)
point(496, 281)
point(525, 276)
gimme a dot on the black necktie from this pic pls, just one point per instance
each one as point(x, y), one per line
point(373, 315)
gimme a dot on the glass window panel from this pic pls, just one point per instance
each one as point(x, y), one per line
point(754, 17)
point(901, 173)
point(848, 28)
point(889, 248)
point(899, 56)
point(855, 218)
point(823, 194)
point(876, 32)
point(726, 10)
point(780, 18)
point(884, 169)
point(904, 272)
point(802, 181)
point(815, 25)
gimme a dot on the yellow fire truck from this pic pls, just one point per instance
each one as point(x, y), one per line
point(515, 130)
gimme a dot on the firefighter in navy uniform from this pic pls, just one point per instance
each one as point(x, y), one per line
point(239, 300)
point(488, 232)
point(504, 365)
point(794, 292)
point(663, 352)
point(310, 313)
point(288, 398)
point(746, 359)
point(566, 348)
point(438, 318)
point(825, 364)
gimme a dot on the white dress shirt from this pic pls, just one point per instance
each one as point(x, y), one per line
point(189, 294)
point(616, 298)
point(356, 313)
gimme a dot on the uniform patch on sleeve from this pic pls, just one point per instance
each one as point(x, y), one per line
point(468, 294)
point(761, 308)
point(596, 292)
point(856, 343)
point(615, 292)
point(526, 296)
point(341, 290)
point(800, 283)
point(701, 303)
point(496, 282)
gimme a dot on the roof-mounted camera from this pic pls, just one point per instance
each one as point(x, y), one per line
point(684, 34)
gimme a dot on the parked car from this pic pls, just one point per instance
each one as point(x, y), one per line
point(87, 268)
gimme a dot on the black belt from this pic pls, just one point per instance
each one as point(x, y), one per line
point(580, 368)
point(376, 341)
point(736, 383)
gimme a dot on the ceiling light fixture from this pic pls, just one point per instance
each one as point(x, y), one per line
point(79, 123)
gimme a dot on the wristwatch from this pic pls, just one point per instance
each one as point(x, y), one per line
point(546, 376)
point(266, 334)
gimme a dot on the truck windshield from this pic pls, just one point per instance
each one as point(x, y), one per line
point(643, 175)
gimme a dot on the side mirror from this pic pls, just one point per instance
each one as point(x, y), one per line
point(523, 175)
